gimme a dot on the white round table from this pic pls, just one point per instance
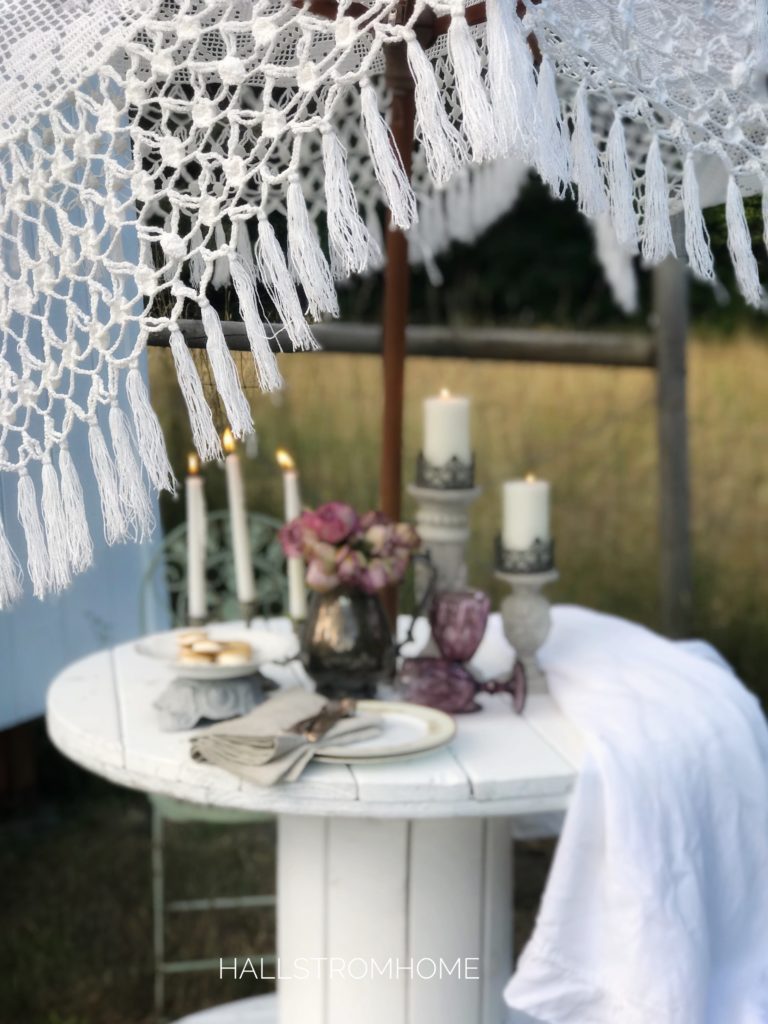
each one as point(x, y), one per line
point(387, 873)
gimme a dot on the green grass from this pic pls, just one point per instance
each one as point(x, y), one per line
point(590, 430)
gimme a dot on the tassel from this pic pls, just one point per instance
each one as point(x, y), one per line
point(244, 281)
point(586, 164)
point(55, 524)
point(617, 263)
point(621, 189)
point(308, 263)
point(511, 79)
point(477, 116)
point(225, 373)
point(387, 165)
point(551, 150)
point(657, 229)
point(443, 146)
point(133, 494)
point(696, 234)
point(207, 441)
point(38, 564)
point(115, 523)
point(79, 543)
point(274, 274)
point(10, 573)
point(740, 246)
point(149, 434)
point(350, 241)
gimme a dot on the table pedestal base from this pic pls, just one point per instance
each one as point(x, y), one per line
point(393, 921)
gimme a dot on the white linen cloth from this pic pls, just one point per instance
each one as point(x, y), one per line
point(656, 908)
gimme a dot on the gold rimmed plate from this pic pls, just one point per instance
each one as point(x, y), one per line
point(407, 730)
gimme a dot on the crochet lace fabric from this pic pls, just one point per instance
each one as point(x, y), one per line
point(151, 150)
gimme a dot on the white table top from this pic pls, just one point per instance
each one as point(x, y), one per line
point(100, 714)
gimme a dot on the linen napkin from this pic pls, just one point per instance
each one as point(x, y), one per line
point(656, 908)
point(261, 748)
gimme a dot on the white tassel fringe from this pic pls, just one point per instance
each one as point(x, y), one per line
point(351, 245)
point(740, 246)
point(657, 228)
point(244, 281)
point(133, 494)
point(207, 441)
point(552, 160)
point(586, 164)
point(10, 573)
point(621, 189)
point(55, 524)
point(443, 146)
point(387, 165)
point(225, 373)
point(38, 564)
point(115, 523)
point(149, 434)
point(697, 246)
point(274, 274)
point(79, 543)
point(308, 263)
point(511, 79)
point(476, 112)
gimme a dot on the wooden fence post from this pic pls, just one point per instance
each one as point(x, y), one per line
point(670, 303)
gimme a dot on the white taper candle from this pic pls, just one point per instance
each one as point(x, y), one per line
point(245, 582)
point(295, 568)
point(197, 604)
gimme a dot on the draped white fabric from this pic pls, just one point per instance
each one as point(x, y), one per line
point(656, 908)
point(246, 141)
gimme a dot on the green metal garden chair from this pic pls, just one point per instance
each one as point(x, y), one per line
point(168, 571)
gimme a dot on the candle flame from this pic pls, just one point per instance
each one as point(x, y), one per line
point(193, 464)
point(530, 478)
point(445, 392)
point(228, 442)
point(284, 460)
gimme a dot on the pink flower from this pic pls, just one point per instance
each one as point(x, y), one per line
point(292, 538)
point(374, 576)
point(374, 518)
point(406, 536)
point(318, 551)
point(332, 522)
point(349, 566)
point(319, 578)
point(378, 537)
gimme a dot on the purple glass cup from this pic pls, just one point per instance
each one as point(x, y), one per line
point(459, 619)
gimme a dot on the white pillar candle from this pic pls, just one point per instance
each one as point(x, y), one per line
point(245, 582)
point(197, 604)
point(297, 590)
point(446, 429)
point(525, 513)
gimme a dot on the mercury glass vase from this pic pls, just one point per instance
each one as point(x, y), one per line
point(346, 645)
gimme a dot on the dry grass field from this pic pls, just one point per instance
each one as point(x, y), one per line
point(591, 431)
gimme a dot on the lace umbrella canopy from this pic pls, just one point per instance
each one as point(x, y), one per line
point(152, 148)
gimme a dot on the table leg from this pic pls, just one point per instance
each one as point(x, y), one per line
point(395, 921)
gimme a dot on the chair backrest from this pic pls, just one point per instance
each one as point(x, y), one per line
point(169, 569)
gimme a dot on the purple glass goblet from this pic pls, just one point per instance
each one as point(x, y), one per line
point(441, 684)
point(459, 619)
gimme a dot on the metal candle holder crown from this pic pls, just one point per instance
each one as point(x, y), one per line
point(526, 611)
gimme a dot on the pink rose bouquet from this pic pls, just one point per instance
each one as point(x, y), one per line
point(340, 548)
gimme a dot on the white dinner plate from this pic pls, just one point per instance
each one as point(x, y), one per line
point(164, 647)
point(407, 730)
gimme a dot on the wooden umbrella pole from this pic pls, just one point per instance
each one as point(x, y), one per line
point(397, 286)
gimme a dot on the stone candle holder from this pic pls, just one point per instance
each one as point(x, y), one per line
point(525, 612)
